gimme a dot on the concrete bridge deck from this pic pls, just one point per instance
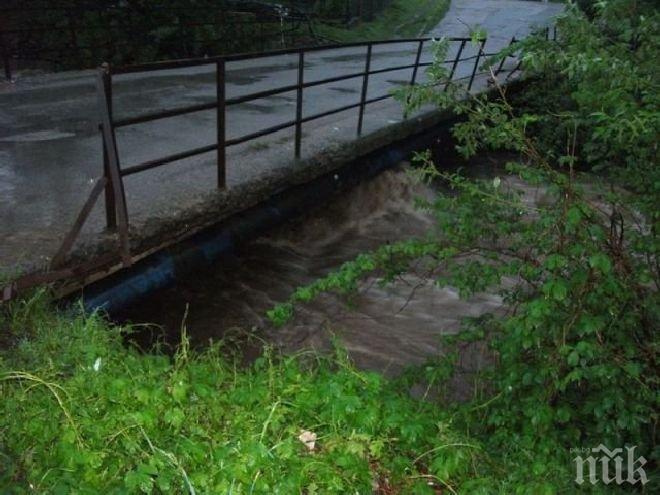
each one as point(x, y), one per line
point(50, 148)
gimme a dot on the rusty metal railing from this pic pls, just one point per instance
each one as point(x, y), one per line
point(221, 103)
point(112, 181)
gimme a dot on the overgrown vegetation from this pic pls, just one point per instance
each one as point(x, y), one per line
point(576, 354)
point(403, 18)
point(83, 413)
point(73, 34)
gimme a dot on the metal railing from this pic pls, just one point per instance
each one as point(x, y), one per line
point(116, 209)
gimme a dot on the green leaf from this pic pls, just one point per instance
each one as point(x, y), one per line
point(573, 217)
point(180, 391)
point(174, 417)
point(555, 261)
point(600, 262)
point(556, 289)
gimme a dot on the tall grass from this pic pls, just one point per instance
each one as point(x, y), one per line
point(403, 18)
point(82, 412)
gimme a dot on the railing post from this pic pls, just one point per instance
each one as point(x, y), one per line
point(455, 64)
point(114, 172)
point(476, 63)
point(515, 69)
point(110, 205)
point(365, 88)
point(71, 237)
point(4, 52)
point(501, 65)
point(73, 36)
point(221, 124)
point(413, 78)
point(418, 57)
point(299, 101)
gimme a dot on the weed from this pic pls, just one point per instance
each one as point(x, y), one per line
point(86, 414)
point(403, 18)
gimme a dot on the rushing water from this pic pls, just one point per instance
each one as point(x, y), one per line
point(384, 328)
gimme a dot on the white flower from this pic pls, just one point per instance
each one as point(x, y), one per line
point(97, 364)
point(308, 438)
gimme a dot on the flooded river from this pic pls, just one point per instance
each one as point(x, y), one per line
point(384, 329)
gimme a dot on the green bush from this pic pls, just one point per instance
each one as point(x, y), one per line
point(77, 34)
point(401, 18)
point(80, 412)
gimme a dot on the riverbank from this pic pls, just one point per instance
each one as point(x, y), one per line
point(123, 421)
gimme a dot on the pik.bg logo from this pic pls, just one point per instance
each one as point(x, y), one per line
point(607, 466)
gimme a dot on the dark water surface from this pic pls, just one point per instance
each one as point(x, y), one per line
point(384, 329)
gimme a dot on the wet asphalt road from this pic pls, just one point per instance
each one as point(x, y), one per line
point(50, 150)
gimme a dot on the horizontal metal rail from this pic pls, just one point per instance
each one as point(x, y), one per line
point(148, 165)
point(91, 6)
point(66, 29)
point(196, 62)
point(261, 133)
point(149, 117)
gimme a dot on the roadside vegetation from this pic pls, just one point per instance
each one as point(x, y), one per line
point(574, 358)
point(401, 19)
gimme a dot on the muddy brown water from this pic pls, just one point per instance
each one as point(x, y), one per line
point(383, 328)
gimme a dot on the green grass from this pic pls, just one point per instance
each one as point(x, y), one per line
point(81, 412)
point(403, 18)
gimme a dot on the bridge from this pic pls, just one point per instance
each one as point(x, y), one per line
point(188, 143)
